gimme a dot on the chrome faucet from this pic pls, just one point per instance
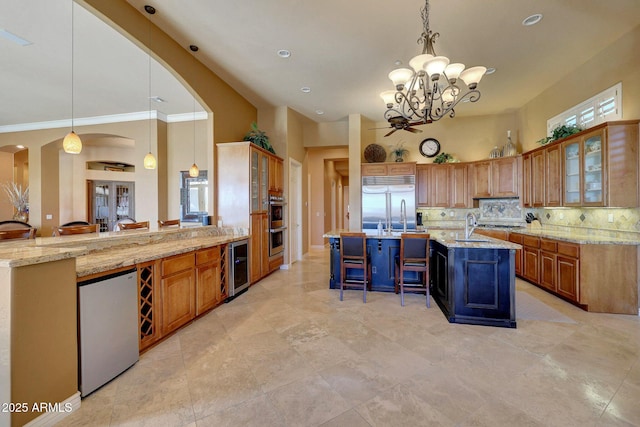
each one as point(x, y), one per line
point(470, 224)
point(403, 214)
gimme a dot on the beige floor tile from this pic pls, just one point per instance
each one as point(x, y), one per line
point(308, 402)
point(288, 352)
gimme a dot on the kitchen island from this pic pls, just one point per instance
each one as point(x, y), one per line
point(471, 281)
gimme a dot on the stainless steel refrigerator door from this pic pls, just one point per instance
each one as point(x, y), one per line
point(408, 194)
point(373, 206)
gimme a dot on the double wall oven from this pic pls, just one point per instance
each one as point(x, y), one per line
point(276, 224)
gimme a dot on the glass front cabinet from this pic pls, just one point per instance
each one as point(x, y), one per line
point(584, 170)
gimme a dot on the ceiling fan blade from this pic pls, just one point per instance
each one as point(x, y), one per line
point(386, 127)
point(392, 131)
point(413, 130)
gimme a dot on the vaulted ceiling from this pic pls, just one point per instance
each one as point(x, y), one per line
point(341, 50)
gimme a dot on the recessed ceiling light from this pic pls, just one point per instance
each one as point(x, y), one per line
point(398, 62)
point(532, 20)
point(13, 38)
point(149, 9)
point(194, 48)
point(156, 99)
point(305, 89)
point(490, 70)
point(284, 53)
point(319, 112)
point(20, 147)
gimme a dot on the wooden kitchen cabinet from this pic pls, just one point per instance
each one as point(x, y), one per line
point(531, 258)
point(496, 178)
point(537, 178)
point(480, 177)
point(178, 291)
point(440, 185)
point(527, 184)
point(276, 174)
point(246, 175)
point(517, 238)
point(460, 186)
point(388, 169)
point(207, 279)
point(553, 176)
point(259, 246)
point(422, 185)
point(548, 264)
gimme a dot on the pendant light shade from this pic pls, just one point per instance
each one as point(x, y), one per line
point(194, 171)
point(149, 161)
point(72, 143)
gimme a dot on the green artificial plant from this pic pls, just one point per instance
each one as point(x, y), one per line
point(259, 137)
point(443, 158)
point(560, 132)
point(398, 152)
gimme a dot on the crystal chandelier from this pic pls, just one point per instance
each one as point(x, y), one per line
point(431, 88)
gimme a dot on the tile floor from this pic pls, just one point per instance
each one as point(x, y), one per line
point(289, 353)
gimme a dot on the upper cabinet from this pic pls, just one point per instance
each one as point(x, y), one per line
point(388, 169)
point(276, 176)
point(442, 185)
point(600, 166)
point(496, 178)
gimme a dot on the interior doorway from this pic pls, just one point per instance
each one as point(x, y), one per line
point(295, 210)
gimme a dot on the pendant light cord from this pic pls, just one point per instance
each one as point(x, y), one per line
point(72, 62)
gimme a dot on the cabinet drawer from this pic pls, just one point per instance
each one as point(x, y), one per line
point(531, 241)
point(516, 238)
point(204, 256)
point(177, 263)
point(374, 169)
point(569, 249)
point(548, 245)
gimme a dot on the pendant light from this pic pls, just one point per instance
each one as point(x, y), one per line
point(149, 160)
point(71, 142)
point(194, 172)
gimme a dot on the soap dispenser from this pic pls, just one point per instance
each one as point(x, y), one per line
point(379, 227)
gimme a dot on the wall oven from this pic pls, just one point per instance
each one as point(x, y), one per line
point(276, 225)
point(238, 271)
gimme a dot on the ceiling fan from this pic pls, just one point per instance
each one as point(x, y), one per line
point(402, 123)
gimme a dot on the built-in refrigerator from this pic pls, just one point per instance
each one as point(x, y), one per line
point(382, 198)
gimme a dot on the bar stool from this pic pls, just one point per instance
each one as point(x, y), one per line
point(414, 256)
point(18, 233)
point(132, 225)
point(168, 223)
point(65, 230)
point(354, 256)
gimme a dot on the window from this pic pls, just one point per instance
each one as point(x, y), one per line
point(603, 107)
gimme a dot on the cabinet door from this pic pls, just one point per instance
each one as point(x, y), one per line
point(422, 185)
point(480, 176)
point(553, 178)
point(571, 160)
point(279, 175)
point(440, 186)
point(256, 247)
point(530, 267)
point(255, 181)
point(264, 182)
point(206, 285)
point(374, 169)
point(548, 270)
point(264, 260)
point(272, 174)
point(459, 186)
point(593, 169)
point(568, 278)
point(178, 300)
point(505, 177)
point(517, 238)
point(537, 178)
point(526, 181)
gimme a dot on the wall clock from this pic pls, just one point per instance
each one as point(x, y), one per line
point(430, 147)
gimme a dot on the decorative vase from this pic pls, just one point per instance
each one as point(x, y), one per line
point(22, 214)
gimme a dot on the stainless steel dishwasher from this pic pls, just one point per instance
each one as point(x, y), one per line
point(108, 328)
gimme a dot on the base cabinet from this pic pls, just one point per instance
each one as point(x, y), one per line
point(478, 286)
point(175, 290)
point(568, 277)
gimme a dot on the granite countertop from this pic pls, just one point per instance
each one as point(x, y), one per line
point(110, 259)
point(580, 236)
point(447, 237)
point(100, 252)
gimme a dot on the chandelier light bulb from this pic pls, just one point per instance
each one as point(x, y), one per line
point(389, 97)
point(453, 71)
point(418, 61)
point(72, 143)
point(473, 75)
point(194, 171)
point(436, 66)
